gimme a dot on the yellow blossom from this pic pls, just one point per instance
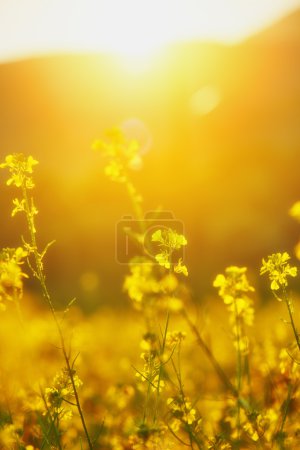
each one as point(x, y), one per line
point(181, 268)
point(121, 153)
point(141, 282)
point(20, 168)
point(174, 337)
point(9, 438)
point(233, 285)
point(11, 274)
point(278, 269)
point(169, 241)
point(181, 408)
point(59, 395)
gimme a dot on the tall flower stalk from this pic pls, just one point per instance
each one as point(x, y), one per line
point(234, 288)
point(21, 169)
point(278, 269)
point(142, 285)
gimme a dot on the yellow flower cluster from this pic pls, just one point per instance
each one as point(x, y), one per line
point(61, 393)
point(173, 338)
point(147, 289)
point(279, 269)
point(122, 154)
point(20, 168)
point(233, 285)
point(169, 241)
point(182, 411)
point(11, 275)
point(233, 289)
point(152, 365)
point(141, 282)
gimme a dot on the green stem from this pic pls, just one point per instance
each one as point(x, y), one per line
point(135, 203)
point(287, 402)
point(239, 363)
point(238, 350)
point(286, 407)
point(220, 372)
point(188, 428)
point(289, 304)
point(42, 280)
point(53, 425)
point(293, 325)
point(161, 368)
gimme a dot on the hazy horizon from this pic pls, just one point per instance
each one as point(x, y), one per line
point(34, 30)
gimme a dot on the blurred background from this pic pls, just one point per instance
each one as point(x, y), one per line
point(212, 90)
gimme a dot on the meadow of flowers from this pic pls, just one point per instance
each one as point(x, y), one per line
point(167, 373)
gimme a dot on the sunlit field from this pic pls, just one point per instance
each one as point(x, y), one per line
point(165, 373)
point(150, 225)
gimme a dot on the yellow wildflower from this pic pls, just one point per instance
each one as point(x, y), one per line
point(61, 392)
point(122, 154)
point(9, 438)
point(168, 241)
point(20, 168)
point(181, 268)
point(11, 275)
point(279, 269)
point(181, 408)
point(173, 338)
point(233, 285)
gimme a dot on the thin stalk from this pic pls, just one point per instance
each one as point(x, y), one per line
point(52, 425)
point(192, 436)
point(136, 204)
point(286, 407)
point(39, 273)
point(238, 350)
point(286, 404)
point(147, 401)
point(280, 435)
point(239, 363)
point(160, 368)
point(289, 305)
point(220, 372)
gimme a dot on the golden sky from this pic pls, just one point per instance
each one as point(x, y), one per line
point(127, 27)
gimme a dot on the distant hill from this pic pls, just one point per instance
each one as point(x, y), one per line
point(285, 30)
point(229, 175)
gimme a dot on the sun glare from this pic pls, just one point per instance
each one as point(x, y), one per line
point(132, 29)
point(135, 31)
point(135, 63)
point(139, 32)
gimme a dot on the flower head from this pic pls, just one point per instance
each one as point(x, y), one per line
point(233, 289)
point(233, 285)
point(121, 153)
point(61, 392)
point(169, 241)
point(181, 408)
point(11, 275)
point(20, 168)
point(279, 269)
